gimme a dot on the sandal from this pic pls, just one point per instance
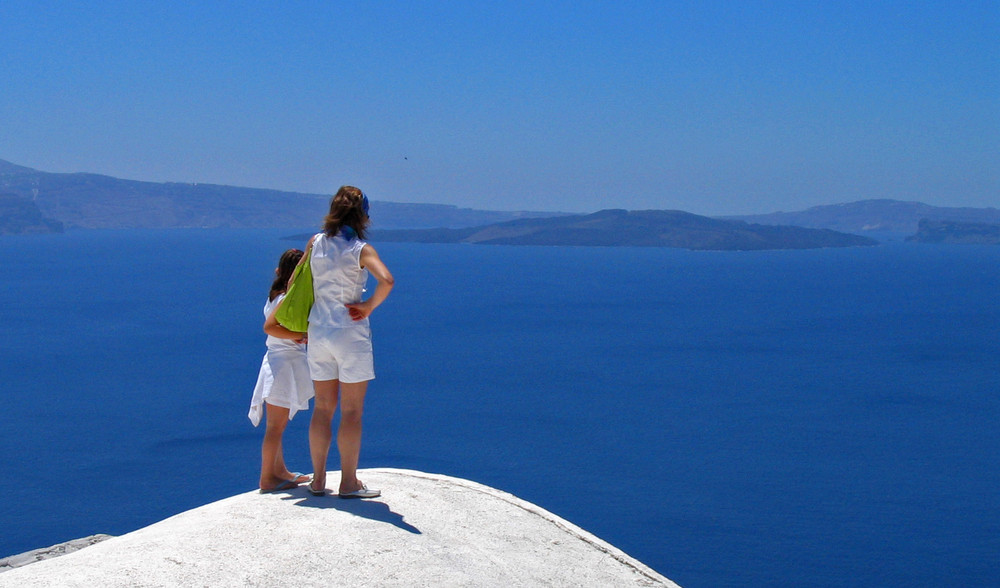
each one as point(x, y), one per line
point(364, 492)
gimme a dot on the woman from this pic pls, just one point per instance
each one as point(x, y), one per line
point(283, 384)
point(340, 347)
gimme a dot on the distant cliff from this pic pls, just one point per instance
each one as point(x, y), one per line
point(931, 231)
point(873, 215)
point(646, 228)
point(21, 215)
point(92, 201)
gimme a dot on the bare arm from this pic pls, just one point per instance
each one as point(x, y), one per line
point(373, 263)
point(275, 329)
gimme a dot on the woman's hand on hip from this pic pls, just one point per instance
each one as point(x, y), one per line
point(359, 310)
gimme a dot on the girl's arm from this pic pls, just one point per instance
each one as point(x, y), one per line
point(373, 263)
point(275, 329)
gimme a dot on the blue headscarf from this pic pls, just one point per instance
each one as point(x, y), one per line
point(349, 233)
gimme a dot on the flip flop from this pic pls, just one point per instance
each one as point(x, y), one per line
point(364, 492)
point(286, 485)
point(320, 492)
point(297, 475)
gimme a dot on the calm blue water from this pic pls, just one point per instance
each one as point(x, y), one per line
point(803, 418)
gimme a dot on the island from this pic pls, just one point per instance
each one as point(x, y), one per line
point(19, 215)
point(94, 201)
point(873, 216)
point(935, 231)
point(641, 228)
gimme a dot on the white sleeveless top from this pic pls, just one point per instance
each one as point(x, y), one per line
point(338, 279)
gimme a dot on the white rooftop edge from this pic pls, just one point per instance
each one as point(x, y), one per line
point(425, 530)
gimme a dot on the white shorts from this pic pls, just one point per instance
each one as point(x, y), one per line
point(343, 354)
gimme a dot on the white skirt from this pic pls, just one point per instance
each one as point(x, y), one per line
point(283, 380)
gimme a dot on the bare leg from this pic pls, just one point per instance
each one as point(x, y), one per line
point(272, 462)
point(281, 470)
point(320, 432)
point(352, 404)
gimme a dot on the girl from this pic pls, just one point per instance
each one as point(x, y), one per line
point(283, 384)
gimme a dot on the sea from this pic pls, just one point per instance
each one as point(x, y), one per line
point(823, 417)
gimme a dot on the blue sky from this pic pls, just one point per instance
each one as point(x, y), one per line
point(710, 107)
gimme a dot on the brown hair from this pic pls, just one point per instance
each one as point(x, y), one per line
point(347, 208)
point(286, 265)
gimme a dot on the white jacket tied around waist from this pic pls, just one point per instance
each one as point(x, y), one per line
point(338, 279)
point(283, 379)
